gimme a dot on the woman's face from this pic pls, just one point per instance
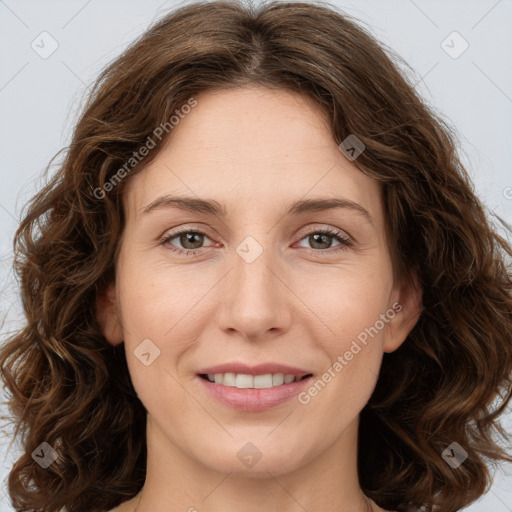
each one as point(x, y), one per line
point(261, 285)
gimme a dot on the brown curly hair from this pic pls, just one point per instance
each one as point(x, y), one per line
point(449, 382)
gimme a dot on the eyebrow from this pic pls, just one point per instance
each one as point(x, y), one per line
point(212, 207)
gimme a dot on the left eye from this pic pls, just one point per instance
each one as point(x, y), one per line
point(191, 241)
point(319, 237)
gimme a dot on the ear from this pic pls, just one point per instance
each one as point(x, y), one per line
point(407, 305)
point(107, 314)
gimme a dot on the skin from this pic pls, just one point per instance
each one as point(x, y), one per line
point(254, 151)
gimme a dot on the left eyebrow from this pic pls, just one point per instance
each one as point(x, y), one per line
point(212, 207)
point(331, 203)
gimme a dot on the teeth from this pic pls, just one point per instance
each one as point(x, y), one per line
point(243, 381)
point(229, 379)
point(288, 379)
point(263, 381)
point(278, 379)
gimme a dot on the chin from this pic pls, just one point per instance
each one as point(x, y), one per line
point(247, 460)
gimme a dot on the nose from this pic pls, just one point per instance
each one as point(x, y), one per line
point(255, 299)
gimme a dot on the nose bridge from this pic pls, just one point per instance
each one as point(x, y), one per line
point(253, 264)
point(254, 301)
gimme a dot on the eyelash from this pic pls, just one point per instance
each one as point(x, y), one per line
point(345, 242)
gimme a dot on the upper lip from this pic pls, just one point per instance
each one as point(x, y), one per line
point(260, 369)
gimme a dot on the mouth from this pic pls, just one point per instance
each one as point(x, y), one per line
point(247, 381)
point(253, 388)
point(253, 393)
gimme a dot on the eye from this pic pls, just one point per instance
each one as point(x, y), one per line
point(191, 241)
point(321, 238)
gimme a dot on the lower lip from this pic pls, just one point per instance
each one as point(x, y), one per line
point(254, 400)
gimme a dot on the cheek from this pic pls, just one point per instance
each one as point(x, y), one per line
point(347, 381)
point(352, 318)
point(156, 300)
point(349, 305)
point(149, 308)
point(166, 306)
point(350, 335)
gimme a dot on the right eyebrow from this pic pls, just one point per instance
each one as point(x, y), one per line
point(190, 204)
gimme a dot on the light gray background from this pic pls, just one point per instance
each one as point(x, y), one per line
point(39, 100)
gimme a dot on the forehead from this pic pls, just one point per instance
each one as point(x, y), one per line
point(252, 147)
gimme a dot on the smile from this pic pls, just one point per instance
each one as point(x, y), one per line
point(245, 381)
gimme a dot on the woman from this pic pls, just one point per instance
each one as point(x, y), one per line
point(259, 280)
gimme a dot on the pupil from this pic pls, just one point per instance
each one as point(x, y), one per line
point(188, 238)
point(322, 237)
